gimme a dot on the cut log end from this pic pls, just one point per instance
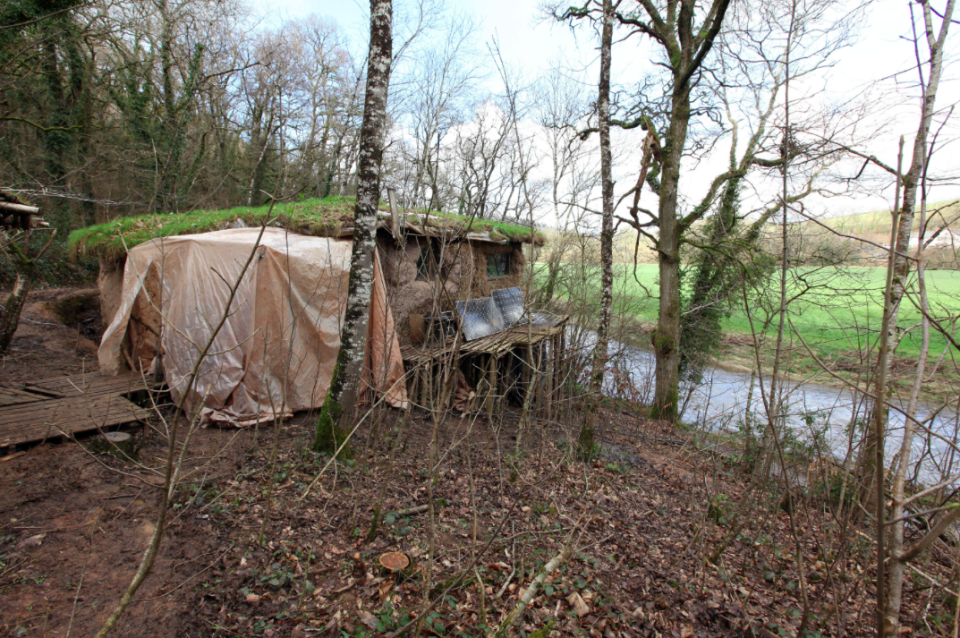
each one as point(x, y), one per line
point(119, 444)
point(394, 561)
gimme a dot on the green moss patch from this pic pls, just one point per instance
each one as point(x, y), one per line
point(308, 217)
point(499, 231)
point(317, 217)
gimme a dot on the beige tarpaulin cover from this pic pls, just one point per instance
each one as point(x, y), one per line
point(277, 348)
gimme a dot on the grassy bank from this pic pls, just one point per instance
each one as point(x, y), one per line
point(836, 311)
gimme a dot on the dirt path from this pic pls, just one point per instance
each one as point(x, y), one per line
point(43, 346)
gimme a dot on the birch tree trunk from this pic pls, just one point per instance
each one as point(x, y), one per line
point(592, 402)
point(891, 620)
point(341, 397)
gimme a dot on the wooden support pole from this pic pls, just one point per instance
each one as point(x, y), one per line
point(425, 385)
point(536, 376)
point(554, 386)
point(548, 378)
point(414, 384)
point(491, 385)
point(564, 373)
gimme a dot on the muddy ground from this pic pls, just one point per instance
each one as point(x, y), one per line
point(251, 551)
point(44, 344)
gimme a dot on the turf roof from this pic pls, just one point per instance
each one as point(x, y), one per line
point(319, 217)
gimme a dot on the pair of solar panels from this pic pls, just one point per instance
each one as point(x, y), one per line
point(490, 315)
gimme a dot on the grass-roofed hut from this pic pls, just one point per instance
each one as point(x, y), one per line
point(426, 255)
point(429, 262)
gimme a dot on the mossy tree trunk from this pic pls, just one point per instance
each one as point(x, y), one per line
point(686, 45)
point(339, 407)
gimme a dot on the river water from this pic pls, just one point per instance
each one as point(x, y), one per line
point(815, 412)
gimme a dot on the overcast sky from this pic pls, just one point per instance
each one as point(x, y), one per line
point(530, 43)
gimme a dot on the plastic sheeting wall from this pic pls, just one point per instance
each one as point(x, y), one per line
point(277, 348)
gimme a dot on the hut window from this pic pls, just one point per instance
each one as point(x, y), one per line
point(498, 265)
point(427, 263)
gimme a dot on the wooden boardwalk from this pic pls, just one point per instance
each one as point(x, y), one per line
point(36, 411)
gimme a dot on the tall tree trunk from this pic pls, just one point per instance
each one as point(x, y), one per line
point(606, 238)
point(56, 139)
point(341, 398)
point(260, 140)
point(166, 185)
point(666, 336)
point(891, 620)
point(332, 165)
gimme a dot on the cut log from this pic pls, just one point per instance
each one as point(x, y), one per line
point(394, 561)
point(19, 209)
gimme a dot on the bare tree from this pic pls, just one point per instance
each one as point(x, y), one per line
point(934, 41)
point(684, 46)
point(889, 601)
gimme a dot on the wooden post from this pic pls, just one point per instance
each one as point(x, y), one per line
point(536, 376)
point(491, 384)
point(555, 387)
point(424, 385)
point(414, 384)
point(563, 372)
point(547, 353)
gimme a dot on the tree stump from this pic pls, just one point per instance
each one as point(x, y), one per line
point(119, 444)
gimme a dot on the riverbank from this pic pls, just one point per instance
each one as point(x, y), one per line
point(836, 313)
point(847, 370)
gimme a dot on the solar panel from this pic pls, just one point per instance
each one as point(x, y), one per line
point(544, 319)
point(510, 303)
point(479, 318)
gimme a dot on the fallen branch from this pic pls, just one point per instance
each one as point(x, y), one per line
point(531, 591)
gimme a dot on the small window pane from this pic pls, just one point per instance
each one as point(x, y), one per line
point(424, 267)
point(498, 265)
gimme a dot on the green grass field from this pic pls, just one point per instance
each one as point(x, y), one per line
point(835, 310)
point(878, 222)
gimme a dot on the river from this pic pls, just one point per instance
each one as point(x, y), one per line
point(814, 411)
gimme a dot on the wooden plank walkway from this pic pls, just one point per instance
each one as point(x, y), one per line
point(36, 411)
